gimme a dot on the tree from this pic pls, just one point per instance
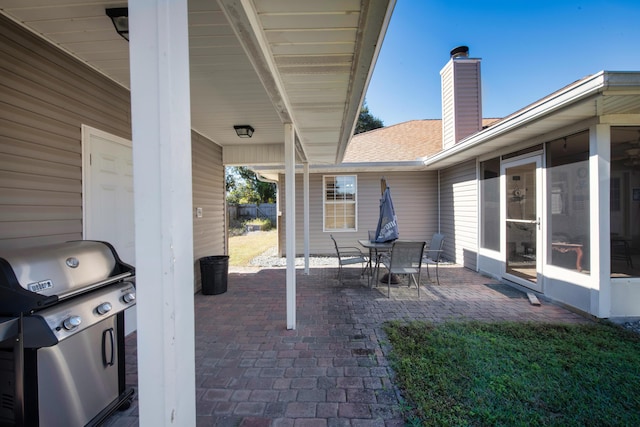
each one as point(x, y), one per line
point(230, 183)
point(367, 121)
point(243, 186)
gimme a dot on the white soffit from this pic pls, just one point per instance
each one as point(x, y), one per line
point(321, 54)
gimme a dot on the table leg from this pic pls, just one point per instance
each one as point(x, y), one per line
point(370, 266)
point(377, 268)
point(578, 259)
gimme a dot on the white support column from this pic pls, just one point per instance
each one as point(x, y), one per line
point(161, 125)
point(306, 217)
point(599, 228)
point(290, 221)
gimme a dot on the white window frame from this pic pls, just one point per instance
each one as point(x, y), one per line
point(325, 202)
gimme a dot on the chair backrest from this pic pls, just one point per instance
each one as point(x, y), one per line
point(336, 245)
point(406, 254)
point(435, 248)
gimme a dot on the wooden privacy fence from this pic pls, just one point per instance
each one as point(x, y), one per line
point(248, 211)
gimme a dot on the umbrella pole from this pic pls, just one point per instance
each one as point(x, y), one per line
point(385, 278)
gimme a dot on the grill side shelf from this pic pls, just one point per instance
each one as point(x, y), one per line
point(36, 332)
point(14, 299)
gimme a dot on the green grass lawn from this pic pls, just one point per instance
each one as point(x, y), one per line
point(511, 374)
point(242, 249)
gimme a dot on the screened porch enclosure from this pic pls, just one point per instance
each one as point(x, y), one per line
point(575, 251)
point(624, 201)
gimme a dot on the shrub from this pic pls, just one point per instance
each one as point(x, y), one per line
point(239, 228)
point(264, 223)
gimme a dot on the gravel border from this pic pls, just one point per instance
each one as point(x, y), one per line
point(269, 258)
point(632, 326)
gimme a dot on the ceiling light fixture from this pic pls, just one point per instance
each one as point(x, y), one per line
point(244, 131)
point(120, 18)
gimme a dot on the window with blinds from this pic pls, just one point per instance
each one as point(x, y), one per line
point(340, 203)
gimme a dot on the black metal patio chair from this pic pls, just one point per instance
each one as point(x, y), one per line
point(433, 254)
point(405, 258)
point(349, 255)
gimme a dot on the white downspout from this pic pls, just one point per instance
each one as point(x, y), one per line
point(439, 204)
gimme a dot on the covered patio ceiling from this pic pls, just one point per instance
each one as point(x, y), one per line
point(257, 62)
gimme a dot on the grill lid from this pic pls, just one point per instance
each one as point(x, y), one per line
point(45, 274)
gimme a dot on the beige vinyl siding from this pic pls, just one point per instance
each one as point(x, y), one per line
point(448, 111)
point(45, 97)
point(467, 98)
point(461, 100)
point(459, 213)
point(414, 197)
point(208, 194)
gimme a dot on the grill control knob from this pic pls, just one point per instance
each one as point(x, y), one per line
point(129, 297)
point(71, 322)
point(104, 308)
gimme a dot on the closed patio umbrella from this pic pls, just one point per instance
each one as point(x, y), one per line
point(387, 229)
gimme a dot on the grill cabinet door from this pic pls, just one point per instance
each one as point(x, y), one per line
point(78, 377)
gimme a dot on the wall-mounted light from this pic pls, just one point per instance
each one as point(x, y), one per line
point(120, 18)
point(244, 131)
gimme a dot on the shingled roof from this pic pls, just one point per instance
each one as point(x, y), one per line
point(407, 141)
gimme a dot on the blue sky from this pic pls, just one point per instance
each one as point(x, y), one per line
point(529, 49)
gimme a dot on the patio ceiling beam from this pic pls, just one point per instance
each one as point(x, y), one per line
point(619, 119)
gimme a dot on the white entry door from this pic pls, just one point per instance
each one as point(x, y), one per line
point(108, 191)
point(107, 181)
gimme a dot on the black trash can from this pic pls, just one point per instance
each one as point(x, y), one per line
point(214, 271)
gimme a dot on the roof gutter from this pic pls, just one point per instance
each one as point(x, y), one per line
point(573, 93)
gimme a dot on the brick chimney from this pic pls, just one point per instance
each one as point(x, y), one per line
point(461, 97)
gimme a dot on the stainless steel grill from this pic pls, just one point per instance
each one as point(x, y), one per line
point(62, 334)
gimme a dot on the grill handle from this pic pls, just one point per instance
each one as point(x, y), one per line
point(108, 345)
point(103, 283)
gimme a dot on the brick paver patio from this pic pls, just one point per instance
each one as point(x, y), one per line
point(331, 370)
